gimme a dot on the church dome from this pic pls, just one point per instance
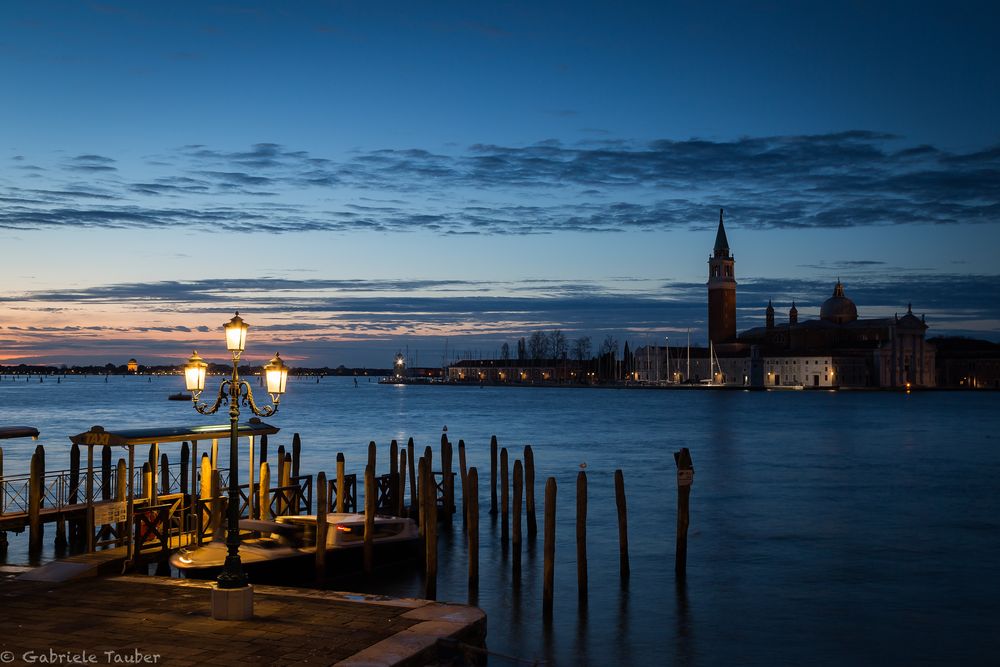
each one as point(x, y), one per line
point(838, 308)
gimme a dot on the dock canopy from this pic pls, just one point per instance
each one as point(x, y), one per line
point(18, 432)
point(97, 436)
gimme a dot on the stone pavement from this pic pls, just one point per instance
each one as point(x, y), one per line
point(154, 620)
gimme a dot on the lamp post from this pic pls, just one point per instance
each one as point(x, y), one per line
point(234, 392)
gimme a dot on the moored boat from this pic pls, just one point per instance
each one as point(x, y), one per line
point(282, 551)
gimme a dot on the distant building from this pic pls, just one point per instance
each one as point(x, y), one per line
point(399, 366)
point(965, 363)
point(132, 366)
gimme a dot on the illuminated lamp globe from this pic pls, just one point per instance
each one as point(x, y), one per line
point(236, 334)
point(276, 376)
point(194, 373)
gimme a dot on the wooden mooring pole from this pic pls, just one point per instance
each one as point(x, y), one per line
point(296, 454)
point(464, 479)
point(504, 499)
point(581, 536)
point(549, 549)
point(529, 490)
point(430, 537)
point(473, 529)
point(412, 463)
point(623, 565)
point(341, 491)
point(394, 478)
point(321, 526)
point(448, 481)
point(370, 492)
point(401, 491)
point(265, 491)
point(35, 483)
point(685, 477)
point(493, 474)
point(518, 486)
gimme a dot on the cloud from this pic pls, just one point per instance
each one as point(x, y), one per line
point(836, 181)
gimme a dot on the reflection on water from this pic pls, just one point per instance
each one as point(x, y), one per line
point(826, 528)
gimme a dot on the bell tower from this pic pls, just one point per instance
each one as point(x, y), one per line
point(721, 290)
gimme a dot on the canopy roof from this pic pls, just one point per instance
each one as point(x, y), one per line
point(18, 432)
point(98, 436)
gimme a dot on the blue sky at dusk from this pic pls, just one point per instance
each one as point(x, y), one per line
point(361, 177)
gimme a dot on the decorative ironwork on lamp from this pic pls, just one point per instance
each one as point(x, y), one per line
point(235, 392)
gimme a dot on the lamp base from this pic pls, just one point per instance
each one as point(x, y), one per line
point(232, 604)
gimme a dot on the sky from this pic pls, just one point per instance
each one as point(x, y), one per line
point(359, 178)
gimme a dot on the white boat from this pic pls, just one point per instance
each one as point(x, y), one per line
point(281, 551)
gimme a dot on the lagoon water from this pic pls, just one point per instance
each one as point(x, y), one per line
point(827, 528)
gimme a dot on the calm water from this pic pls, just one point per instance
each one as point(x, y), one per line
point(826, 528)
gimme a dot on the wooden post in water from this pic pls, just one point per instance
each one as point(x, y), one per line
point(121, 489)
point(473, 528)
point(464, 479)
point(549, 568)
point(296, 454)
point(154, 459)
point(370, 492)
point(529, 490)
point(623, 565)
point(164, 473)
point(215, 454)
point(292, 505)
point(35, 483)
point(504, 499)
point(685, 477)
point(372, 459)
point(446, 477)
point(581, 536)
point(430, 542)
point(401, 491)
point(216, 487)
point(412, 462)
point(265, 491)
point(341, 491)
point(518, 485)
point(147, 481)
point(321, 526)
point(421, 505)
point(106, 472)
point(185, 462)
point(493, 474)
point(263, 448)
point(394, 478)
point(75, 526)
point(281, 462)
point(204, 493)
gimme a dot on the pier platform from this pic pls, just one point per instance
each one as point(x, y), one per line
point(156, 620)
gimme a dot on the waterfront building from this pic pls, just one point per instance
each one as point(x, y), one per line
point(721, 289)
point(132, 366)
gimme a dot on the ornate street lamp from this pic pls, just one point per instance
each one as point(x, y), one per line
point(235, 392)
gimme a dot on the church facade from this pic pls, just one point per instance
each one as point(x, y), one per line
point(840, 349)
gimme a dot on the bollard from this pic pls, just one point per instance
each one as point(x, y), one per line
point(321, 525)
point(504, 499)
point(341, 491)
point(623, 565)
point(493, 474)
point(529, 490)
point(473, 530)
point(548, 569)
point(581, 536)
point(685, 477)
point(369, 546)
